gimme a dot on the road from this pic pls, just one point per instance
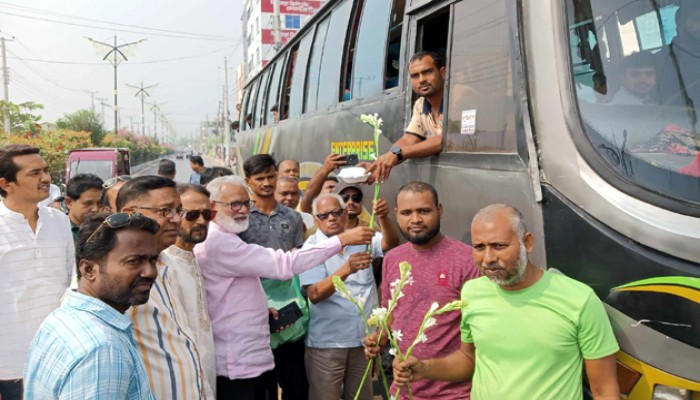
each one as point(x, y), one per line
point(182, 168)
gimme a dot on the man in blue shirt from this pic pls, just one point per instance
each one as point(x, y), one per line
point(86, 349)
point(197, 165)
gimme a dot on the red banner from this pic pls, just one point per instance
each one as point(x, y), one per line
point(269, 38)
point(295, 7)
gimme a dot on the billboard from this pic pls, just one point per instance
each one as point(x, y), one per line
point(296, 7)
point(269, 38)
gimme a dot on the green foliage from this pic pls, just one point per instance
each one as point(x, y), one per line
point(142, 148)
point(23, 117)
point(84, 121)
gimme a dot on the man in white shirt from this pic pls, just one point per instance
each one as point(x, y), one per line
point(37, 255)
point(196, 214)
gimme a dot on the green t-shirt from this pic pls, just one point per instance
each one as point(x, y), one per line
point(531, 343)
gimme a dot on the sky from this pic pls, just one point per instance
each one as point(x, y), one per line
point(186, 42)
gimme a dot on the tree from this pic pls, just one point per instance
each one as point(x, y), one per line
point(22, 116)
point(85, 121)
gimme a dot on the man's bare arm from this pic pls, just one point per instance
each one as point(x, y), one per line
point(456, 367)
point(313, 189)
point(602, 378)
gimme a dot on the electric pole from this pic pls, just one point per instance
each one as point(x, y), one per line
point(103, 104)
point(6, 86)
point(92, 99)
point(276, 25)
point(141, 92)
point(155, 108)
point(117, 53)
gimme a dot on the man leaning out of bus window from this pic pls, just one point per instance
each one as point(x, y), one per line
point(423, 136)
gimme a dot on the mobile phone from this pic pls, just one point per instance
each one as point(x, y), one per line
point(351, 159)
point(288, 314)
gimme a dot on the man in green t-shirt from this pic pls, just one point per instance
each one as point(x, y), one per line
point(526, 333)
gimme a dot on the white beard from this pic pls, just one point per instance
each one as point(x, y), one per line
point(230, 225)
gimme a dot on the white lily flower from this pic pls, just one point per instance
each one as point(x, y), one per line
point(360, 300)
point(423, 338)
point(409, 280)
point(433, 307)
point(380, 312)
point(395, 283)
point(430, 322)
point(392, 351)
point(397, 335)
point(400, 295)
point(373, 156)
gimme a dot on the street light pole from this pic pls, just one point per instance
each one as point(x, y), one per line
point(142, 91)
point(117, 53)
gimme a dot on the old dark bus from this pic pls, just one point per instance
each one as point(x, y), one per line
point(584, 116)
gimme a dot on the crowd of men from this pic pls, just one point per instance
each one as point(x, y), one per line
point(184, 291)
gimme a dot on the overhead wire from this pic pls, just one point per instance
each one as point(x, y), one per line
point(42, 11)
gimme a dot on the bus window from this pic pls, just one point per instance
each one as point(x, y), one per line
point(393, 53)
point(367, 76)
point(273, 93)
point(259, 111)
point(248, 110)
point(287, 83)
point(481, 105)
point(315, 65)
point(644, 121)
point(296, 98)
point(329, 76)
point(241, 112)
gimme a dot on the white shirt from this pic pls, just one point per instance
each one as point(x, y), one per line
point(36, 270)
point(185, 273)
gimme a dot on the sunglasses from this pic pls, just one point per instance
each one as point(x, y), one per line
point(234, 205)
point(116, 221)
point(356, 198)
point(193, 215)
point(165, 212)
point(113, 181)
point(336, 213)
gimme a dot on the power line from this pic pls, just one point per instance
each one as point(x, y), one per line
point(42, 11)
point(136, 62)
point(42, 76)
point(113, 29)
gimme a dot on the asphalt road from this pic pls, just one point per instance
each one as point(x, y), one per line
point(182, 168)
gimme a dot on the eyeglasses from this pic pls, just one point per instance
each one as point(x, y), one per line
point(193, 215)
point(336, 213)
point(113, 181)
point(234, 205)
point(165, 212)
point(356, 198)
point(115, 221)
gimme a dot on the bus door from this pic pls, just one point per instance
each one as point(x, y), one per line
point(487, 141)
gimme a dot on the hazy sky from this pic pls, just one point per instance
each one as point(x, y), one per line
point(190, 87)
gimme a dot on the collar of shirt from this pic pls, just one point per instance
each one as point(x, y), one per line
point(181, 253)
point(254, 209)
point(98, 308)
point(427, 108)
point(6, 212)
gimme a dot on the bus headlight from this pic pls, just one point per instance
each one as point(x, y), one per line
point(662, 392)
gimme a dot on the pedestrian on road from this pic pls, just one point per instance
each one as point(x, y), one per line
point(86, 348)
point(37, 257)
point(167, 169)
point(526, 333)
point(197, 165)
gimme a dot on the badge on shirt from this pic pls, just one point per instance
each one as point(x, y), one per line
point(442, 279)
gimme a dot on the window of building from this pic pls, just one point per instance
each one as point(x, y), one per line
point(481, 106)
point(292, 21)
point(637, 83)
point(367, 74)
point(296, 97)
point(329, 77)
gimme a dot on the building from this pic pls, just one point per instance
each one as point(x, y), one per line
point(259, 29)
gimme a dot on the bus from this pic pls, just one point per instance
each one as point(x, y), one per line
point(544, 109)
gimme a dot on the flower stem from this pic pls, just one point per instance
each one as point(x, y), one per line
point(372, 218)
point(362, 382)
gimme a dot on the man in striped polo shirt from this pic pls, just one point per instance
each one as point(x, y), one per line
point(161, 330)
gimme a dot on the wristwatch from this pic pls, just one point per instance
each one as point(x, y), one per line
point(396, 150)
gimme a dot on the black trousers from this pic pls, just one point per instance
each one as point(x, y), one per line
point(289, 372)
point(11, 390)
point(242, 389)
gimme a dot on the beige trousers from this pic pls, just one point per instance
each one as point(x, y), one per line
point(336, 373)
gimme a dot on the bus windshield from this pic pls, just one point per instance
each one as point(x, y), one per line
point(636, 70)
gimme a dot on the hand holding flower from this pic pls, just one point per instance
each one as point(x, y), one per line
point(358, 262)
